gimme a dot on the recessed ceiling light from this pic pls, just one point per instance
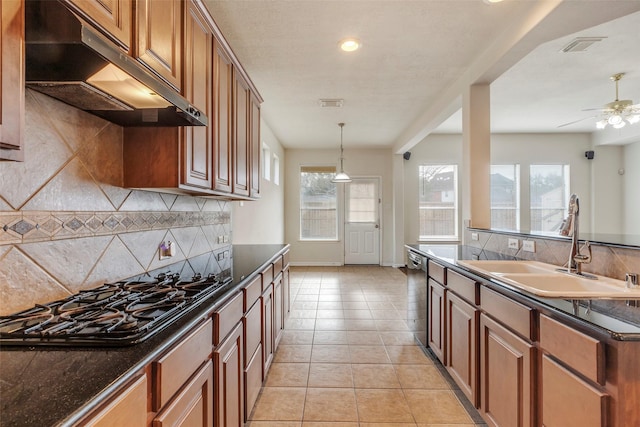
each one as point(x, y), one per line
point(492, 1)
point(350, 44)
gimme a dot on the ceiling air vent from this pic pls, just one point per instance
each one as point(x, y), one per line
point(331, 102)
point(580, 44)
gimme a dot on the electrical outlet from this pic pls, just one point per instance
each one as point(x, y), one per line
point(225, 239)
point(514, 244)
point(226, 254)
point(474, 236)
point(220, 239)
point(220, 256)
point(529, 245)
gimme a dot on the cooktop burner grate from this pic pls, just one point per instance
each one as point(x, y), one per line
point(120, 313)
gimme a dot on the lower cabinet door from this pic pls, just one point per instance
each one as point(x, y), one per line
point(129, 408)
point(229, 377)
point(506, 363)
point(278, 311)
point(436, 320)
point(568, 401)
point(193, 405)
point(267, 330)
point(462, 345)
point(252, 382)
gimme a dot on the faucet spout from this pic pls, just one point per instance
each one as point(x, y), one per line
point(570, 227)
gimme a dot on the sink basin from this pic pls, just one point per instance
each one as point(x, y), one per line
point(543, 280)
point(505, 267)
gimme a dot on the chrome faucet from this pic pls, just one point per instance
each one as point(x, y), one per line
point(570, 228)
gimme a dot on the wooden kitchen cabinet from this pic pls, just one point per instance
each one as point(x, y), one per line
point(159, 38)
point(197, 141)
point(128, 407)
point(278, 311)
point(252, 356)
point(222, 118)
point(112, 17)
point(12, 93)
point(255, 147)
point(241, 122)
point(192, 406)
point(228, 390)
point(436, 326)
point(462, 344)
point(506, 376)
point(267, 328)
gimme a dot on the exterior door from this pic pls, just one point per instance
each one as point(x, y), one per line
point(362, 221)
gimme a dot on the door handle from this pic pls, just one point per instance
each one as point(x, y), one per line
point(377, 226)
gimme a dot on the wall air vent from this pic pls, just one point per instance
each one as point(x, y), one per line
point(331, 102)
point(580, 44)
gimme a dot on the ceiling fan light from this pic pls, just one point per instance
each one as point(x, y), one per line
point(635, 118)
point(601, 124)
point(620, 125)
point(615, 119)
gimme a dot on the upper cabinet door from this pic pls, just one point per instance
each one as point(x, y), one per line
point(11, 80)
point(159, 43)
point(114, 16)
point(241, 132)
point(256, 148)
point(197, 89)
point(222, 116)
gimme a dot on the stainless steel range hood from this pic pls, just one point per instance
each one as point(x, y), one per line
point(70, 61)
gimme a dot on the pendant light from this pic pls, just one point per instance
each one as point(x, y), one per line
point(341, 177)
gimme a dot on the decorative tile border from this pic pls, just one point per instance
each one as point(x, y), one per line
point(35, 226)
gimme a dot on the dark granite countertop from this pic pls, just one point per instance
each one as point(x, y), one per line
point(44, 386)
point(604, 318)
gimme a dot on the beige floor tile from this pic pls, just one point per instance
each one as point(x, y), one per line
point(330, 314)
point(303, 305)
point(280, 404)
point(386, 314)
point(436, 407)
point(297, 337)
point(364, 338)
point(446, 425)
point(300, 324)
point(330, 305)
point(274, 424)
point(375, 405)
point(330, 297)
point(330, 337)
point(330, 325)
point(380, 305)
point(293, 353)
point(355, 305)
point(306, 297)
point(330, 354)
point(387, 424)
point(328, 424)
point(397, 338)
point(360, 325)
point(368, 354)
point(405, 354)
point(330, 404)
point(357, 314)
point(391, 325)
point(422, 377)
point(303, 314)
point(374, 376)
point(337, 375)
point(287, 375)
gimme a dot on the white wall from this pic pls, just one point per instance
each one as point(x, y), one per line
point(632, 188)
point(357, 163)
point(608, 189)
point(262, 221)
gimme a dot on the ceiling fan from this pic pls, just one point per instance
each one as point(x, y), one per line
point(617, 113)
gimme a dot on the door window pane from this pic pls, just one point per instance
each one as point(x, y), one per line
point(362, 199)
point(318, 203)
point(438, 201)
point(549, 188)
point(505, 197)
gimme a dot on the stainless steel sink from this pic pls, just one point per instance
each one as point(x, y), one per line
point(543, 280)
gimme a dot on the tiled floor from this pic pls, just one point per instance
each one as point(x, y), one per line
point(347, 359)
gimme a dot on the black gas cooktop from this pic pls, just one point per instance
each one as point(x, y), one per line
point(113, 314)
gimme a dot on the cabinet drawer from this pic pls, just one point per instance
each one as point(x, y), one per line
point(464, 287)
point(129, 408)
point(252, 292)
point(568, 401)
point(226, 318)
point(175, 367)
point(285, 259)
point(277, 266)
point(577, 350)
point(437, 272)
point(252, 331)
point(267, 277)
point(514, 315)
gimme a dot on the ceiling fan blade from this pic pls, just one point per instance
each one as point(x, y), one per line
point(576, 121)
point(596, 109)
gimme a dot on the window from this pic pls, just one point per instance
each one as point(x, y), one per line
point(549, 188)
point(362, 201)
point(505, 197)
point(276, 170)
point(438, 202)
point(318, 203)
point(266, 162)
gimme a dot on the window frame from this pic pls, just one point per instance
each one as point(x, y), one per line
point(323, 169)
point(456, 206)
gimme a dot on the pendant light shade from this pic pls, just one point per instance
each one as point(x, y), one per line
point(341, 176)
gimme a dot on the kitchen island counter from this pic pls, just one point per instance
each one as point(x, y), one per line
point(43, 385)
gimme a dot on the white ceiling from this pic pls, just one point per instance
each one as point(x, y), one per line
point(417, 57)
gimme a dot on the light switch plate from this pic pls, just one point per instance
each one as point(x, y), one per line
point(514, 244)
point(529, 245)
point(474, 236)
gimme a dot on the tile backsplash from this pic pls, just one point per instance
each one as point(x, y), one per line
point(66, 222)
